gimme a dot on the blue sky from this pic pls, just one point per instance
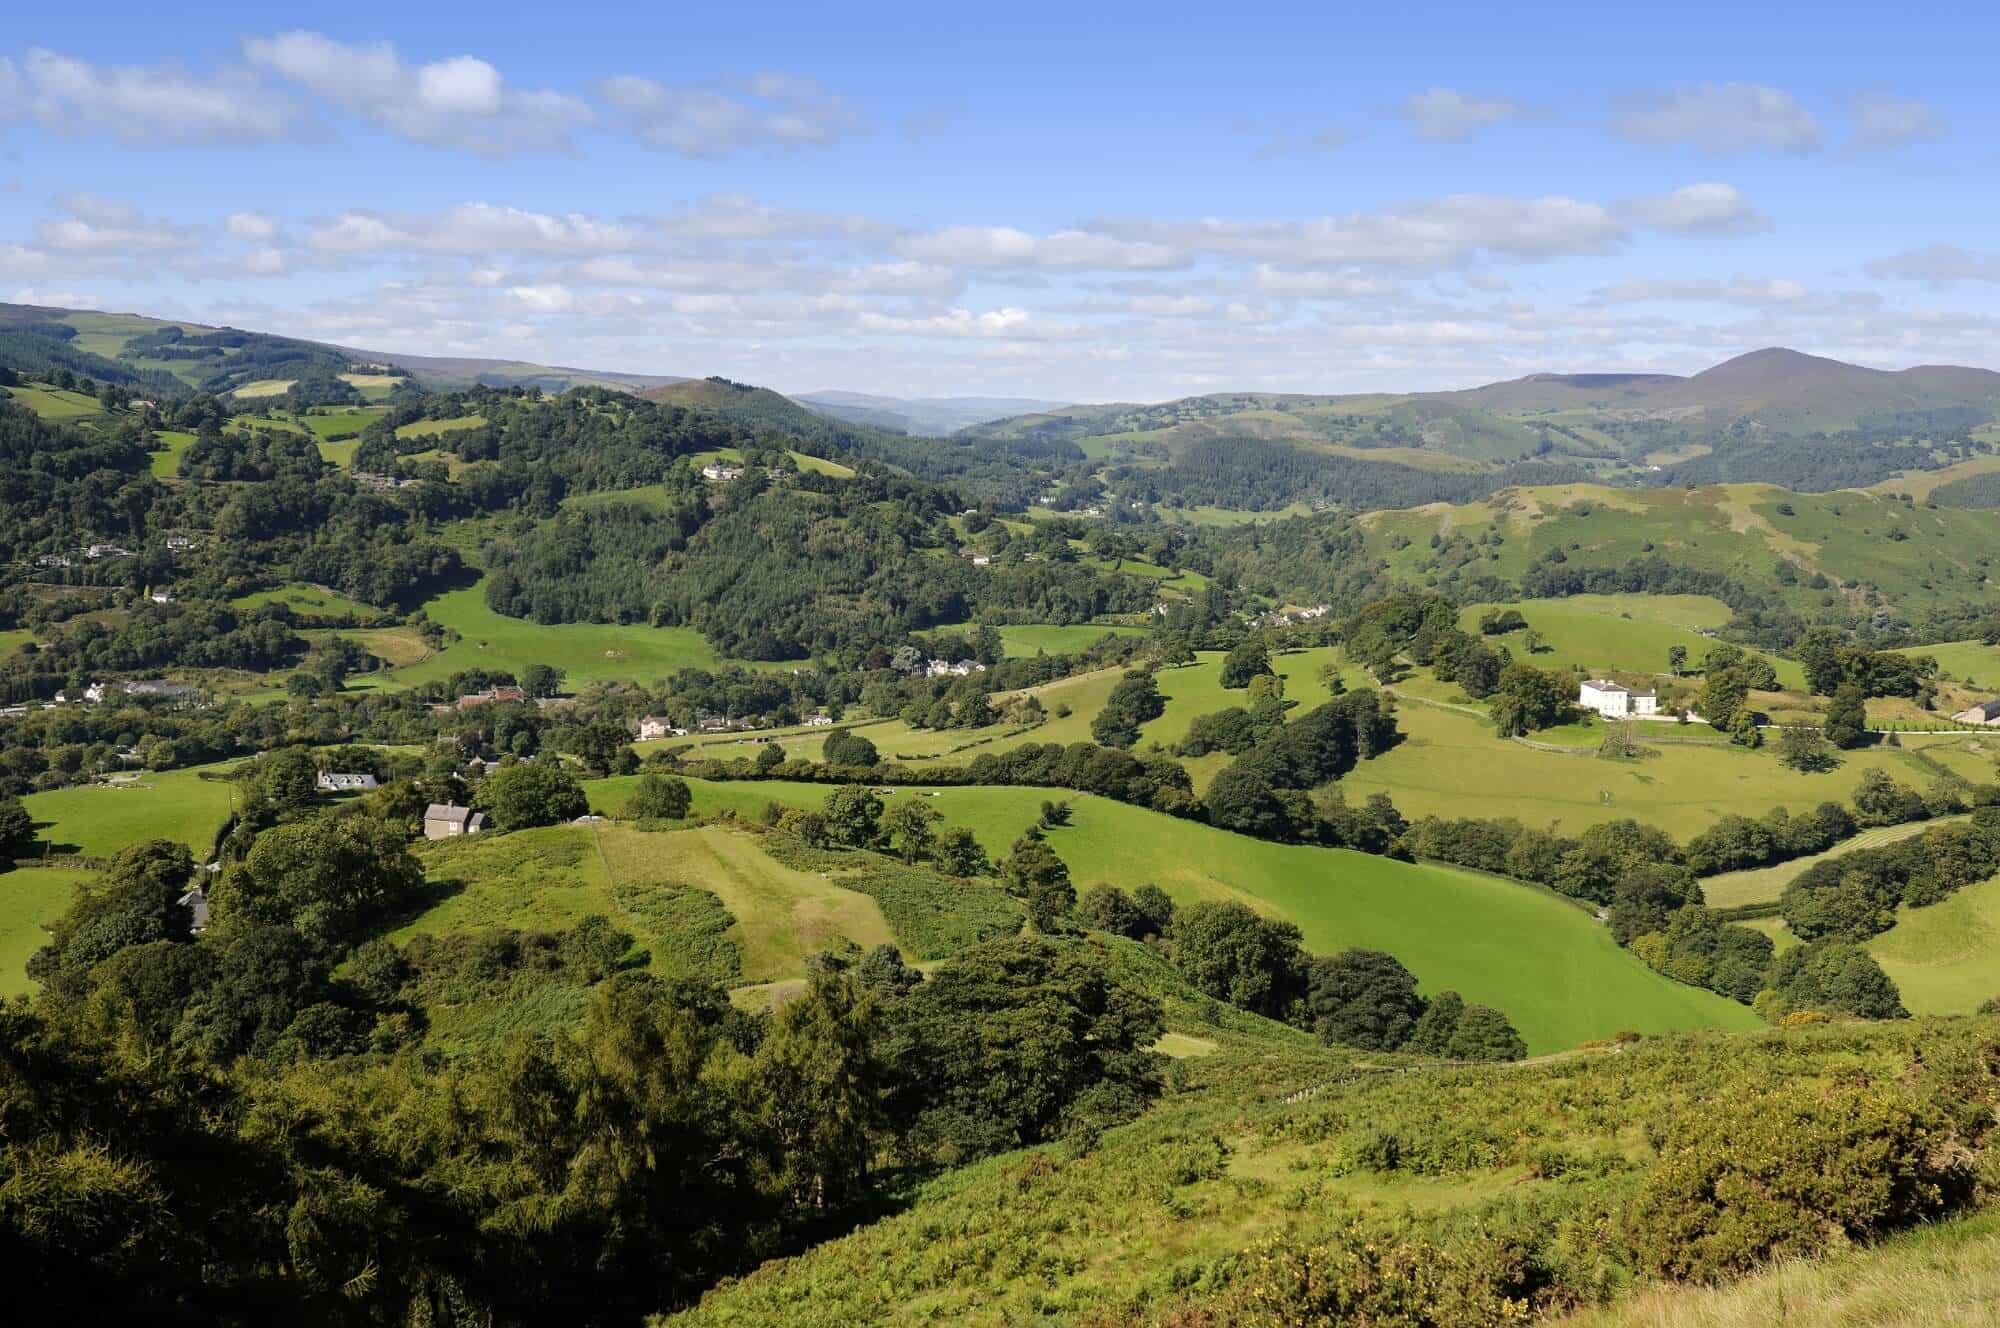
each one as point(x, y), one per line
point(1076, 202)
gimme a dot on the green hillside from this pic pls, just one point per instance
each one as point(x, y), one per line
point(1432, 1197)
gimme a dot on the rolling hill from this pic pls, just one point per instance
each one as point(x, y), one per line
point(1775, 416)
point(931, 415)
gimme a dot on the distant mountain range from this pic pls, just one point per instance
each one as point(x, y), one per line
point(931, 415)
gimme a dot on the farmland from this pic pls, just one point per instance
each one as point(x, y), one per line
point(99, 819)
point(1542, 959)
point(1450, 764)
point(586, 652)
point(1599, 633)
point(30, 899)
point(1941, 956)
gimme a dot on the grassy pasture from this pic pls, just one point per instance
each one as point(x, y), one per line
point(1546, 962)
point(98, 820)
point(52, 403)
point(1452, 765)
point(1963, 659)
point(1038, 638)
point(1945, 957)
point(586, 652)
point(1763, 885)
point(1631, 632)
point(266, 387)
point(554, 877)
point(13, 639)
point(308, 602)
point(803, 461)
point(434, 428)
point(30, 899)
point(166, 462)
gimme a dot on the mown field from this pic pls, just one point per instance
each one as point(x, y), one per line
point(1452, 765)
point(435, 428)
point(1044, 639)
point(30, 899)
point(586, 652)
point(1552, 967)
point(97, 820)
point(174, 443)
point(309, 602)
point(552, 878)
point(1963, 660)
point(1763, 885)
point(1943, 956)
point(1628, 632)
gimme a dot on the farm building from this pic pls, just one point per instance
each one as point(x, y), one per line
point(1614, 701)
point(490, 696)
point(195, 902)
point(442, 820)
point(1986, 712)
point(654, 727)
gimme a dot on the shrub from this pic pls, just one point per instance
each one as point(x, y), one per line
point(1789, 1173)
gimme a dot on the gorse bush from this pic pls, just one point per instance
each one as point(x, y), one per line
point(1791, 1172)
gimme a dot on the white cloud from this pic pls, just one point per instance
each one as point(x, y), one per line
point(475, 229)
point(99, 226)
point(772, 112)
point(458, 102)
point(1708, 206)
point(1007, 247)
point(543, 299)
point(1721, 119)
point(1446, 115)
point(1741, 290)
point(1320, 285)
point(141, 105)
point(1938, 264)
point(1008, 323)
point(251, 225)
point(1884, 122)
point(1432, 234)
point(265, 261)
point(55, 299)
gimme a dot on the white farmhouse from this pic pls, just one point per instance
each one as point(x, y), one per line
point(1613, 701)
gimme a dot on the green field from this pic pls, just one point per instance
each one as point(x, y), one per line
point(98, 820)
point(552, 878)
point(52, 403)
point(13, 638)
point(1630, 632)
point(1943, 956)
point(309, 602)
point(586, 652)
point(1959, 660)
point(1555, 971)
point(1763, 885)
point(1453, 765)
point(30, 899)
point(266, 387)
point(432, 428)
point(1037, 639)
point(167, 462)
point(803, 461)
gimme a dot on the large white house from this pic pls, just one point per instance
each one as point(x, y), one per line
point(1614, 701)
